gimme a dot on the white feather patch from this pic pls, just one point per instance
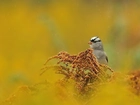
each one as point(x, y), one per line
point(93, 38)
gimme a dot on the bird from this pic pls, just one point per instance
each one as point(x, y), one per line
point(95, 43)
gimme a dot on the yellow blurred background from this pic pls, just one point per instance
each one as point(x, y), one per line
point(33, 30)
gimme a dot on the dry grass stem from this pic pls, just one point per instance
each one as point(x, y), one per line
point(83, 68)
point(134, 80)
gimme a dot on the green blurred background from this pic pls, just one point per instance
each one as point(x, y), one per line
point(33, 30)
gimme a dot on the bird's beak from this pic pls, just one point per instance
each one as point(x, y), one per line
point(89, 42)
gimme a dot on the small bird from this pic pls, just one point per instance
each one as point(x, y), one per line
point(98, 50)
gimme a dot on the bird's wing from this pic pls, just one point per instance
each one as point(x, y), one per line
point(106, 58)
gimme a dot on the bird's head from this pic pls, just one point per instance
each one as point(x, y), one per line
point(95, 43)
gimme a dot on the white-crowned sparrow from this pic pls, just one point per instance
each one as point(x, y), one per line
point(98, 50)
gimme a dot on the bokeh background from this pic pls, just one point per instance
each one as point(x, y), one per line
point(33, 30)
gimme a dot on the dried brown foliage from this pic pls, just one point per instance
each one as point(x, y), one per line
point(135, 81)
point(83, 68)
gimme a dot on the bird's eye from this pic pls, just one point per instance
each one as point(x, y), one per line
point(92, 40)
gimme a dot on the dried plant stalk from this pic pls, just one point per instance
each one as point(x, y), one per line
point(83, 68)
point(134, 80)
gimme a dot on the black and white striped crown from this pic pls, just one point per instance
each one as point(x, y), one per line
point(95, 39)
